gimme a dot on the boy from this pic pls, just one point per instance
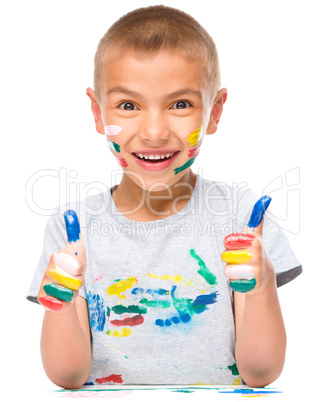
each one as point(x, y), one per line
point(121, 310)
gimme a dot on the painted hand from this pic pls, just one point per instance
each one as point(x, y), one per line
point(66, 267)
point(249, 268)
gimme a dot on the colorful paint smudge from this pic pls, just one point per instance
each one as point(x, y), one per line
point(204, 271)
point(122, 161)
point(185, 166)
point(194, 137)
point(236, 256)
point(115, 147)
point(59, 292)
point(114, 378)
point(97, 314)
point(72, 226)
point(112, 129)
point(194, 152)
point(121, 286)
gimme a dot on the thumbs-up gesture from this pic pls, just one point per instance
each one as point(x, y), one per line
point(64, 275)
point(248, 268)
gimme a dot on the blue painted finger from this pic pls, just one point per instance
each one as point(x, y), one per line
point(72, 225)
point(258, 211)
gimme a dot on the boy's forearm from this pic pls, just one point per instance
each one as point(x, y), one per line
point(261, 344)
point(65, 349)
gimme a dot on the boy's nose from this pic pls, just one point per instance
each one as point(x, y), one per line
point(154, 129)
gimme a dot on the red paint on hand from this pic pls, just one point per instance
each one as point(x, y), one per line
point(116, 378)
point(235, 241)
point(129, 322)
point(50, 303)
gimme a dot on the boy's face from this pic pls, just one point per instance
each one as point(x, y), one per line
point(155, 107)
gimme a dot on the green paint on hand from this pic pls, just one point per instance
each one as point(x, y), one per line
point(243, 285)
point(59, 292)
point(156, 303)
point(120, 309)
point(209, 277)
point(183, 167)
point(114, 146)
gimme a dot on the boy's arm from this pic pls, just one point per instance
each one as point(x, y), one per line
point(260, 336)
point(66, 345)
point(260, 331)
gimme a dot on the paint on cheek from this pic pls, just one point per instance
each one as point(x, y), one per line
point(115, 147)
point(122, 161)
point(112, 129)
point(59, 292)
point(194, 152)
point(235, 241)
point(185, 166)
point(64, 279)
point(194, 137)
point(236, 257)
point(50, 303)
point(243, 286)
point(67, 263)
point(239, 271)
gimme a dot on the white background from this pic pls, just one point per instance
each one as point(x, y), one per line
point(271, 58)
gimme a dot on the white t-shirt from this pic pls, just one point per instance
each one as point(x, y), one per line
point(160, 307)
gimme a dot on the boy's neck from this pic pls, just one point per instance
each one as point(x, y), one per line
point(144, 206)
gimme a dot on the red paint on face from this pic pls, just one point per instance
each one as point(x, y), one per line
point(235, 241)
point(50, 303)
point(194, 152)
point(122, 161)
point(136, 320)
point(116, 378)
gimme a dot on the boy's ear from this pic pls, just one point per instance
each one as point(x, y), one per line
point(216, 111)
point(96, 111)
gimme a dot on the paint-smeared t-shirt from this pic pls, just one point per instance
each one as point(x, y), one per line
point(160, 307)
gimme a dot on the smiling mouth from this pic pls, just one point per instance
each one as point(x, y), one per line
point(153, 161)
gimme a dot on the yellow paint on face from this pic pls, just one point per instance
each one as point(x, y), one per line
point(64, 279)
point(236, 256)
point(194, 137)
point(121, 286)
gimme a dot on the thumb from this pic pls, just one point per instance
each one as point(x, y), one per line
point(74, 239)
point(256, 220)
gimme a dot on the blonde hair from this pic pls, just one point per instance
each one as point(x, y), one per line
point(148, 30)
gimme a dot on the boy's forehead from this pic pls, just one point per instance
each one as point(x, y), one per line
point(163, 69)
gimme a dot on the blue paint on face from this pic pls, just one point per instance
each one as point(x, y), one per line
point(72, 225)
point(97, 316)
point(258, 211)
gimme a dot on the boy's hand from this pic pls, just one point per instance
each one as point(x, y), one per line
point(64, 275)
point(248, 268)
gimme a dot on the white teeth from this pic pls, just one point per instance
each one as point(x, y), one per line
point(150, 156)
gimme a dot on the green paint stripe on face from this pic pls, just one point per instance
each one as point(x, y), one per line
point(114, 146)
point(242, 285)
point(209, 277)
point(156, 303)
point(59, 292)
point(183, 167)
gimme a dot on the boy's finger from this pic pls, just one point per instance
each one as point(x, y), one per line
point(72, 226)
point(236, 241)
point(256, 219)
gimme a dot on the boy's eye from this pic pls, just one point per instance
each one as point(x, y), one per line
point(128, 106)
point(181, 105)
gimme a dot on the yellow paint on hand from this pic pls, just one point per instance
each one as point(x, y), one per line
point(236, 256)
point(125, 332)
point(194, 137)
point(64, 279)
point(121, 286)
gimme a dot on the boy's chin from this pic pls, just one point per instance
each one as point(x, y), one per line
point(155, 184)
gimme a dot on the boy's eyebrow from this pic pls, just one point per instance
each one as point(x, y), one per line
point(185, 91)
